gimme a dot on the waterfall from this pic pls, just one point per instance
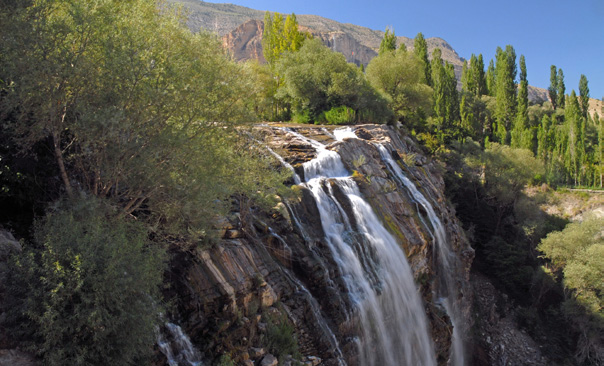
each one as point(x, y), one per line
point(177, 347)
point(445, 259)
point(392, 321)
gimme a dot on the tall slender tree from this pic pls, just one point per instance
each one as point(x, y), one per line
point(505, 112)
point(573, 128)
point(584, 95)
point(490, 79)
point(561, 102)
point(388, 43)
point(420, 49)
point(553, 86)
point(446, 103)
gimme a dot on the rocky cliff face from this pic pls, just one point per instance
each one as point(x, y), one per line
point(277, 267)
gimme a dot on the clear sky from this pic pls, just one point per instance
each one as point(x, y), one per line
point(565, 33)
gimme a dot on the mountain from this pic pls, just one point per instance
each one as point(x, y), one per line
point(241, 31)
point(358, 44)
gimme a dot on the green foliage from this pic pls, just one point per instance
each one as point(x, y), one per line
point(341, 115)
point(507, 171)
point(90, 287)
point(399, 75)
point(561, 102)
point(490, 79)
point(584, 94)
point(445, 97)
point(578, 251)
point(420, 49)
point(505, 70)
point(280, 35)
point(553, 86)
point(137, 107)
point(280, 336)
point(226, 360)
point(316, 79)
point(388, 43)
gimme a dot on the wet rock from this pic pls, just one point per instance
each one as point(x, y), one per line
point(255, 353)
point(269, 360)
point(314, 361)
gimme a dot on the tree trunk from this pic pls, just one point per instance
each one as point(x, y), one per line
point(59, 156)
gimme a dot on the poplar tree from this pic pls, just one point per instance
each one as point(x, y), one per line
point(446, 104)
point(478, 72)
point(420, 49)
point(506, 91)
point(490, 79)
point(553, 86)
point(521, 136)
point(574, 130)
point(388, 43)
point(561, 102)
point(584, 94)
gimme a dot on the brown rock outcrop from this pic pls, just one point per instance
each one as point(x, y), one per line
point(225, 295)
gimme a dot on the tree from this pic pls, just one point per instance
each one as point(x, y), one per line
point(561, 102)
point(578, 253)
point(445, 97)
point(574, 128)
point(139, 108)
point(400, 75)
point(89, 287)
point(420, 49)
point(584, 95)
point(553, 86)
point(490, 79)
point(388, 43)
point(506, 91)
point(316, 79)
point(521, 135)
point(280, 35)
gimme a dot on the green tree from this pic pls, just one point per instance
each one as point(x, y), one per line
point(140, 109)
point(316, 79)
point(388, 43)
point(506, 92)
point(561, 102)
point(575, 131)
point(280, 35)
point(578, 253)
point(521, 134)
point(420, 49)
point(553, 86)
point(445, 97)
point(490, 79)
point(400, 75)
point(584, 95)
point(90, 293)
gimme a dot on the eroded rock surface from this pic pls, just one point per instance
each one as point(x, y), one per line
point(228, 296)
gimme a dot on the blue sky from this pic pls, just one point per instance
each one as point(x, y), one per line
point(565, 33)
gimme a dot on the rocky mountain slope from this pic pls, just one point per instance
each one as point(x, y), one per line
point(241, 31)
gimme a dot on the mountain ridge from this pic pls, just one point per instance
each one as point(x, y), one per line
point(359, 44)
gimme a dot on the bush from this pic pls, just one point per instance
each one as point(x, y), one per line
point(341, 115)
point(281, 339)
point(302, 117)
point(90, 288)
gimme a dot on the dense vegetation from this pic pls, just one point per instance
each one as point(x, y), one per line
point(123, 132)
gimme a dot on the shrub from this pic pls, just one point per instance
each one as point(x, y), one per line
point(91, 287)
point(280, 335)
point(341, 115)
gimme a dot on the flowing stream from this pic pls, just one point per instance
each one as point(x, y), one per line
point(392, 323)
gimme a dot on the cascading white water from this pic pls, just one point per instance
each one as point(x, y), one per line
point(446, 259)
point(177, 347)
point(393, 325)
